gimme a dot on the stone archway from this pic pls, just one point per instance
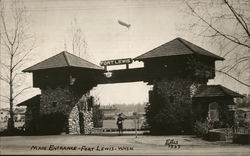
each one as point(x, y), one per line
point(64, 78)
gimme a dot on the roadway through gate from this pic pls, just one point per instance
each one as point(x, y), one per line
point(126, 98)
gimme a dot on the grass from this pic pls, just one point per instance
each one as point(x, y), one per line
point(127, 124)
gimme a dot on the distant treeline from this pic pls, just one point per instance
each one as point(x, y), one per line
point(139, 107)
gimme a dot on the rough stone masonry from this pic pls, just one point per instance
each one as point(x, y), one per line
point(74, 106)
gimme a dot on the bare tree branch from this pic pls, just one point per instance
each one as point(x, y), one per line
point(238, 62)
point(238, 35)
point(229, 37)
point(15, 75)
point(5, 101)
point(78, 42)
point(6, 80)
point(5, 29)
point(239, 18)
point(233, 78)
point(230, 50)
point(20, 92)
point(20, 60)
point(6, 97)
point(6, 44)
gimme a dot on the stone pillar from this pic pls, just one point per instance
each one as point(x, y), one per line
point(86, 114)
point(87, 119)
point(80, 118)
point(59, 99)
point(170, 108)
point(56, 105)
point(74, 125)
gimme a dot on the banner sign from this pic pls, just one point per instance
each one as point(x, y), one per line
point(116, 62)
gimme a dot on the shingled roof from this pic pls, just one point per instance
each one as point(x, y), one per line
point(215, 91)
point(177, 47)
point(63, 59)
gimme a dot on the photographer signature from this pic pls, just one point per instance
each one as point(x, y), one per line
point(171, 143)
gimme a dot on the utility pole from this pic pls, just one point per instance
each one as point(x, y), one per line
point(135, 115)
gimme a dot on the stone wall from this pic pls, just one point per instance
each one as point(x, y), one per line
point(80, 122)
point(87, 125)
point(72, 104)
point(59, 99)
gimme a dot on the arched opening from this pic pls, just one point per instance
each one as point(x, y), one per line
point(127, 98)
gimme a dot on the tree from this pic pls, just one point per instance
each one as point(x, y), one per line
point(225, 23)
point(16, 45)
point(169, 110)
point(98, 115)
point(77, 40)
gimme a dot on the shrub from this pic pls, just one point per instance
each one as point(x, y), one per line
point(12, 132)
point(169, 111)
point(216, 124)
point(145, 126)
point(98, 116)
point(201, 128)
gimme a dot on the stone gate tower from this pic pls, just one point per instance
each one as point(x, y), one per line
point(65, 104)
point(178, 68)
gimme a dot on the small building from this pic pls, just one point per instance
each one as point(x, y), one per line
point(4, 114)
point(32, 112)
point(109, 112)
point(214, 102)
point(19, 114)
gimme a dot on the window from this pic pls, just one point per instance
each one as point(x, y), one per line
point(213, 112)
point(245, 115)
point(213, 106)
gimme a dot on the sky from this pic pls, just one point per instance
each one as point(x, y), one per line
point(153, 23)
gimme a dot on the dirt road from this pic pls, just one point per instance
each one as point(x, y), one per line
point(113, 145)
